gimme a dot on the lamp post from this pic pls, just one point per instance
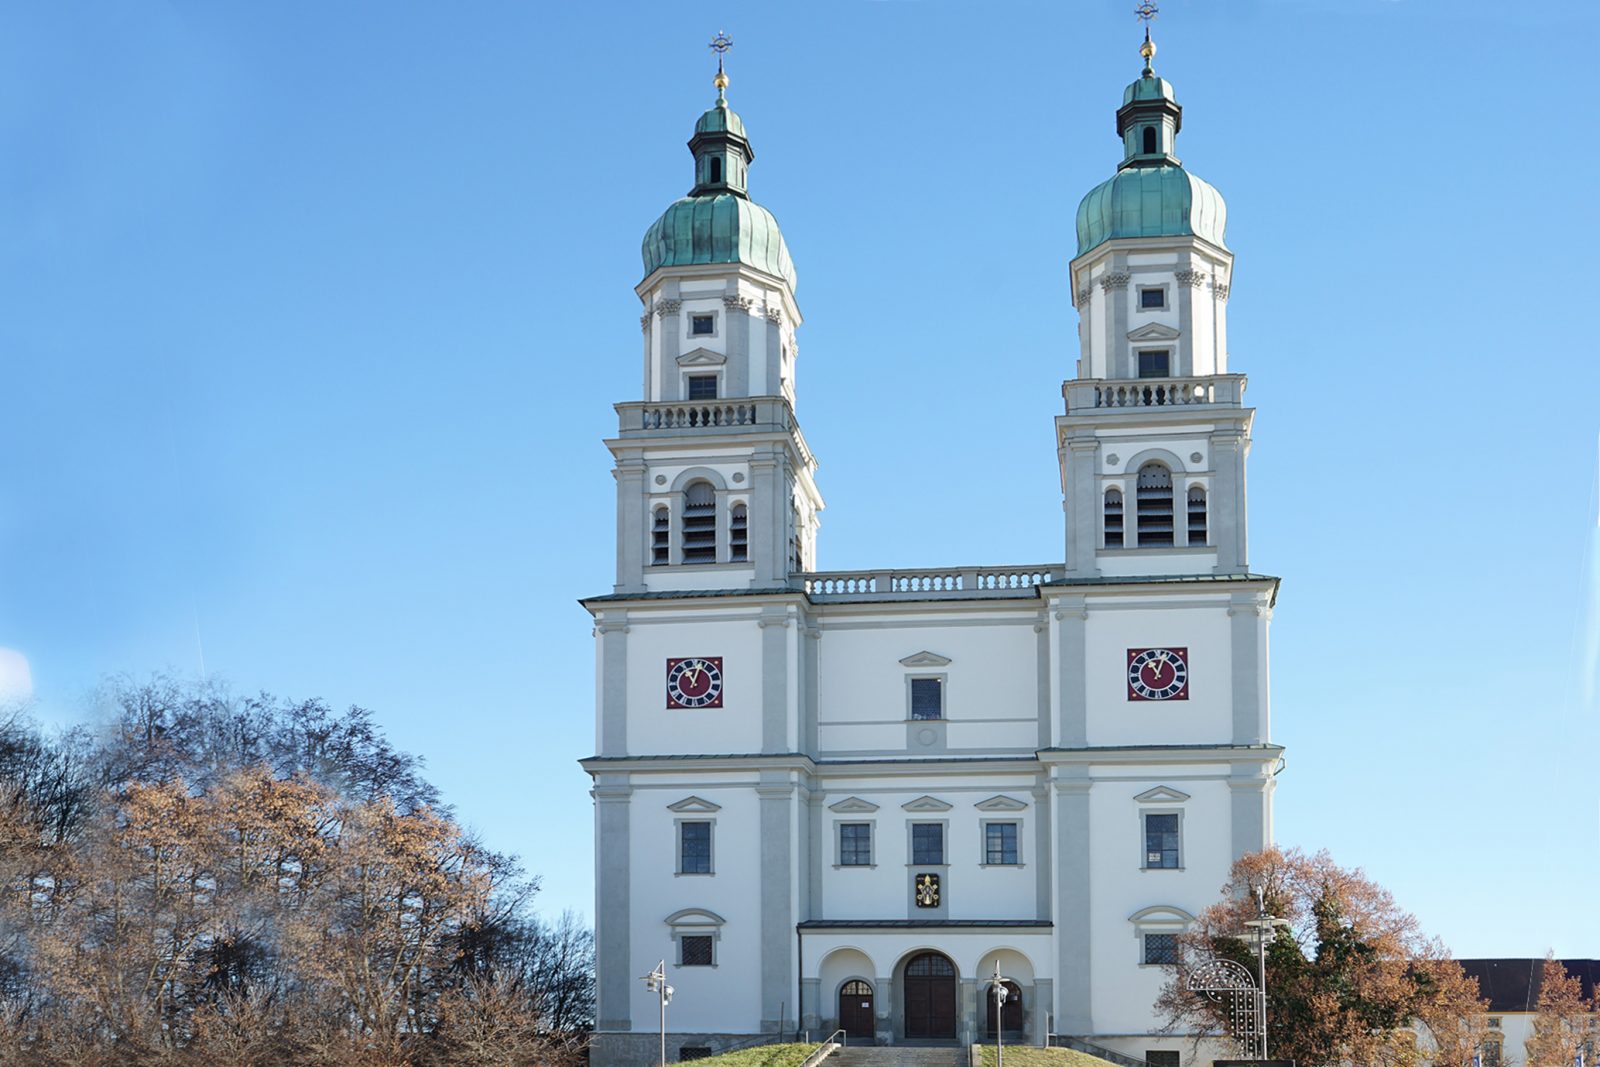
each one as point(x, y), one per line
point(998, 985)
point(656, 982)
point(1265, 928)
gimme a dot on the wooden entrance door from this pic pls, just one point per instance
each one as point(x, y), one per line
point(855, 1010)
point(930, 997)
point(1010, 1011)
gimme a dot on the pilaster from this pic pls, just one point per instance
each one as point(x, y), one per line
point(632, 506)
point(769, 517)
point(1249, 790)
point(612, 796)
point(1229, 446)
point(1081, 447)
point(1072, 643)
point(1247, 634)
point(1074, 1006)
point(612, 631)
point(777, 796)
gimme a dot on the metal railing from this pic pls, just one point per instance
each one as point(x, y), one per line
point(1078, 1043)
point(826, 1048)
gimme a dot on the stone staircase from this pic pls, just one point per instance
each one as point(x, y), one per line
point(898, 1056)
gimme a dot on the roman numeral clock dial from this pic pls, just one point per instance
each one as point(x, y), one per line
point(694, 682)
point(1158, 674)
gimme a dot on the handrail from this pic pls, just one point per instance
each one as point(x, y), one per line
point(1078, 1043)
point(825, 1048)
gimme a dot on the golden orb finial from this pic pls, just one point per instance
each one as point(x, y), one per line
point(720, 44)
point(1147, 11)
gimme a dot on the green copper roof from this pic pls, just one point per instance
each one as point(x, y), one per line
point(717, 229)
point(1150, 88)
point(718, 222)
point(1163, 201)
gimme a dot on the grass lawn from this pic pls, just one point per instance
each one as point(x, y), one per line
point(1031, 1056)
point(790, 1055)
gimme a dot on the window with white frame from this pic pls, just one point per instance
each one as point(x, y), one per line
point(1159, 949)
point(739, 533)
point(1156, 929)
point(661, 537)
point(696, 933)
point(927, 698)
point(1154, 500)
point(702, 325)
point(694, 846)
point(1163, 838)
point(702, 386)
point(927, 844)
point(1000, 848)
point(1197, 515)
point(1113, 518)
point(855, 844)
point(700, 523)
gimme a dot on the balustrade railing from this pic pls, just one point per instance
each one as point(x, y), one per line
point(956, 580)
point(1101, 393)
point(686, 414)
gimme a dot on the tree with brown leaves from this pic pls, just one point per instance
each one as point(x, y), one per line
point(1564, 1020)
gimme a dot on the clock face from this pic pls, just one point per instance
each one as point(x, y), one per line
point(694, 682)
point(927, 891)
point(1158, 674)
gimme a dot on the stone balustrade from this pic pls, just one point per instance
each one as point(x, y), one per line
point(1085, 394)
point(932, 583)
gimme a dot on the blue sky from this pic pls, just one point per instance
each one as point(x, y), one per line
point(314, 316)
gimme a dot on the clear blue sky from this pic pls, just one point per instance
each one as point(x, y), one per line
point(313, 316)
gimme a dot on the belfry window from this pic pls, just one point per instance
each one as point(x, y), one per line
point(716, 170)
point(1197, 515)
point(1150, 141)
point(739, 533)
point(1113, 518)
point(702, 325)
point(700, 524)
point(702, 387)
point(1155, 364)
point(1154, 504)
point(660, 532)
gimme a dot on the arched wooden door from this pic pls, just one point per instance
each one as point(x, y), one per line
point(930, 997)
point(1010, 1011)
point(855, 1010)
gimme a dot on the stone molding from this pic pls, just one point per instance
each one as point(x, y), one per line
point(1114, 279)
point(853, 806)
point(926, 803)
point(1220, 290)
point(735, 302)
point(774, 314)
point(1194, 279)
point(1001, 803)
point(668, 307)
point(1085, 293)
point(644, 321)
point(1161, 794)
point(694, 804)
point(925, 659)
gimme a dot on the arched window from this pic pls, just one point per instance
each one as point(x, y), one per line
point(660, 530)
point(1149, 140)
point(739, 533)
point(1113, 518)
point(700, 523)
point(716, 170)
point(1197, 515)
point(1154, 505)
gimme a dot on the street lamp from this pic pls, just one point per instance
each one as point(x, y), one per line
point(1265, 929)
point(656, 982)
point(998, 984)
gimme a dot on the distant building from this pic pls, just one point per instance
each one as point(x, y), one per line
point(844, 799)
point(1511, 987)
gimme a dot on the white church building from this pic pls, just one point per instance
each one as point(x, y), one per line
point(843, 799)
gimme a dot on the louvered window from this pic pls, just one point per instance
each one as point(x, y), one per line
point(1155, 505)
point(739, 533)
point(700, 524)
point(1113, 518)
point(660, 532)
point(1197, 516)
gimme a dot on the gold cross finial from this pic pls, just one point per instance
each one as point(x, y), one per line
point(1147, 11)
point(720, 44)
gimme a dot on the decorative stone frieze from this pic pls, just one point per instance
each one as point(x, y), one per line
point(1194, 279)
point(1114, 279)
point(668, 307)
point(644, 321)
point(1220, 290)
point(735, 302)
point(1085, 293)
point(774, 314)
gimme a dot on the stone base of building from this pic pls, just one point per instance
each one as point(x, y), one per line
point(641, 1049)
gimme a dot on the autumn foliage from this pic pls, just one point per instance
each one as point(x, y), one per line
point(215, 880)
point(1351, 979)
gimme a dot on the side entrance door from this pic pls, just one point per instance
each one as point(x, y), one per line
point(855, 1010)
point(930, 997)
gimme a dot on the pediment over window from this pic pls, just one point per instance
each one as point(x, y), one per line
point(702, 357)
point(694, 804)
point(852, 806)
point(1155, 331)
point(925, 659)
point(927, 804)
point(1161, 794)
point(695, 917)
point(1161, 914)
point(1001, 803)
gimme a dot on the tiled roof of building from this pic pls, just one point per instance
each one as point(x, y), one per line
point(1511, 985)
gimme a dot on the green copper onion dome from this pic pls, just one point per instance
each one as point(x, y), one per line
point(718, 222)
point(1151, 194)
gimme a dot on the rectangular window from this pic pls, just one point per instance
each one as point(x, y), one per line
point(696, 951)
point(702, 387)
point(1156, 1057)
point(927, 843)
point(1000, 843)
point(1152, 298)
point(1494, 1022)
point(927, 698)
point(694, 848)
point(1161, 841)
point(702, 325)
point(1157, 364)
point(1491, 1054)
point(855, 844)
point(1161, 948)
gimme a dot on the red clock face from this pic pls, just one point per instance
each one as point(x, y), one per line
point(1158, 674)
point(694, 682)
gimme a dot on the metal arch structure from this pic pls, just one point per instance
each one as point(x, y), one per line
point(1244, 1003)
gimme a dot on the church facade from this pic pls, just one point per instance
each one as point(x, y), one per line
point(847, 799)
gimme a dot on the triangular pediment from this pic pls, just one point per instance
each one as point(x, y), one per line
point(925, 659)
point(694, 804)
point(702, 357)
point(1001, 803)
point(927, 804)
point(1154, 331)
point(853, 806)
point(1161, 794)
